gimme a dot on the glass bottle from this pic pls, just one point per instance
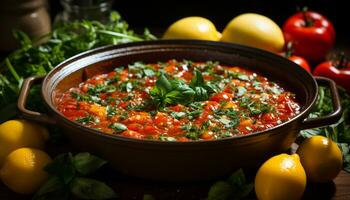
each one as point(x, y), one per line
point(98, 10)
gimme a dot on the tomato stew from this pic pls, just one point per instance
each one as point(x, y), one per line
point(178, 101)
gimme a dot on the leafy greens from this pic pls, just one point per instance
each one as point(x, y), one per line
point(40, 55)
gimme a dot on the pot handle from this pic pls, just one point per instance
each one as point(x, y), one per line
point(332, 117)
point(22, 100)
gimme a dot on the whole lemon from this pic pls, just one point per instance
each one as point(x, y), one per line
point(321, 158)
point(282, 177)
point(23, 170)
point(254, 30)
point(192, 28)
point(15, 134)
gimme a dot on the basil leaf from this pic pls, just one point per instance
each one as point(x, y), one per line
point(241, 91)
point(201, 94)
point(118, 127)
point(237, 179)
point(163, 84)
point(212, 88)
point(166, 138)
point(221, 190)
point(275, 90)
point(243, 77)
point(185, 92)
point(85, 163)
point(52, 189)
point(149, 72)
point(178, 115)
point(85, 188)
point(197, 79)
point(62, 167)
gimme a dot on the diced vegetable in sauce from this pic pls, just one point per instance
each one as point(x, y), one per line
point(178, 101)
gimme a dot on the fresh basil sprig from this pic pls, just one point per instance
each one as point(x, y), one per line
point(66, 179)
point(172, 92)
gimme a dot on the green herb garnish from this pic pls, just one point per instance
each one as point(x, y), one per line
point(118, 127)
point(66, 40)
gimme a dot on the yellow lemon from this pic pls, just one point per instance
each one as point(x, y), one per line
point(15, 134)
point(282, 177)
point(23, 170)
point(254, 30)
point(321, 158)
point(192, 28)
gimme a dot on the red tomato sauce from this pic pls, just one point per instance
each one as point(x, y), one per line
point(178, 101)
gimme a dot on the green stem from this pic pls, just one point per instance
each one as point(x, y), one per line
point(289, 51)
point(12, 70)
point(321, 98)
point(120, 35)
point(308, 21)
point(342, 61)
point(4, 80)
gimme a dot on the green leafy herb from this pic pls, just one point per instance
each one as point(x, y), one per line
point(241, 91)
point(85, 188)
point(118, 127)
point(66, 179)
point(141, 70)
point(178, 115)
point(192, 132)
point(85, 120)
point(85, 163)
point(235, 188)
point(171, 92)
point(66, 40)
point(166, 138)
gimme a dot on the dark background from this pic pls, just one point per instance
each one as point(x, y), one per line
point(157, 15)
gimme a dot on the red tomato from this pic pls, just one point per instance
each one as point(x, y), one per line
point(312, 35)
point(338, 71)
point(300, 61)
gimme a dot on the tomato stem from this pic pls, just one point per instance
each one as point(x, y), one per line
point(342, 61)
point(289, 50)
point(308, 21)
